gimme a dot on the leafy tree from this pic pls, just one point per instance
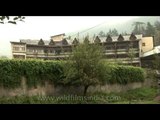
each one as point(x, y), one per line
point(131, 55)
point(150, 29)
point(84, 67)
point(12, 20)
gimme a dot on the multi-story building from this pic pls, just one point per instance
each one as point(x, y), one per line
point(55, 48)
point(125, 49)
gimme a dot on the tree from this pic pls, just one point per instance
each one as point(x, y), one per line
point(156, 62)
point(113, 32)
point(157, 33)
point(157, 38)
point(150, 29)
point(131, 55)
point(84, 67)
point(157, 25)
point(109, 33)
point(101, 34)
point(138, 27)
point(12, 20)
point(124, 33)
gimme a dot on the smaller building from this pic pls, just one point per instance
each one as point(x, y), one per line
point(58, 37)
point(18, 50)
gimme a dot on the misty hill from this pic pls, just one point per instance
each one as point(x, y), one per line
point(121, 27)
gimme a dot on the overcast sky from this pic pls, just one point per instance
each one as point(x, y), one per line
point(37, 27)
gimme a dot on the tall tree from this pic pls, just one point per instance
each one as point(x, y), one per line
point(150, 30)
point(109, 33)
point(101, 34)
point(114, 32)
point(157, 25)
point(157, 33)
point(157, 38)
point(131, 54)
point(85, 68)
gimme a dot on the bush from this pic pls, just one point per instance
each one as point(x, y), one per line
point(38, 71)
point(125, 74)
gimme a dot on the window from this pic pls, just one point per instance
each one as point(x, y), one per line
point(143, 44)
point(30, 50)
point(22, 48)
point(16, 48)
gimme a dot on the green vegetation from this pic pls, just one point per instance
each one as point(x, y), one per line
point(82, 73)
point(145, 95)
point(125, 74)
point(156, 62)
point(36, 71)
point(84, 68)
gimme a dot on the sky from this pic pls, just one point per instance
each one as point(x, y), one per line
point(37, 27)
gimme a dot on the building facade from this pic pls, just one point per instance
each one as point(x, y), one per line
point(125, 49)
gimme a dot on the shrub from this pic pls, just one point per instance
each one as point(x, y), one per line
point(125, 74)
point(38, 71)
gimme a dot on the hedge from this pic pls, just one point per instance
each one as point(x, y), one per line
point(36, 72)
point(125, 74)
point(39, 71)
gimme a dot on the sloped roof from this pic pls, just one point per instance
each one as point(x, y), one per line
point(156, 50)
point(58, 35)
point(46, 42)
point(114, 38)
point(103, 39)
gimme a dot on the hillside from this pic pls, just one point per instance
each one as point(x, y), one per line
point(121, 27)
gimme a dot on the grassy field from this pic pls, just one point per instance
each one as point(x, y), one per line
point(144, 95)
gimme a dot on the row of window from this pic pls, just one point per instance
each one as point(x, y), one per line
point(47, 51)
point(119, 47)
point(121, 55)
point(19, 48)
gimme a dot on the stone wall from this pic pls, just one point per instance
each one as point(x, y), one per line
point(49, 89)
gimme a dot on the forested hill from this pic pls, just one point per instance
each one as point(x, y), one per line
point(124, 27)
